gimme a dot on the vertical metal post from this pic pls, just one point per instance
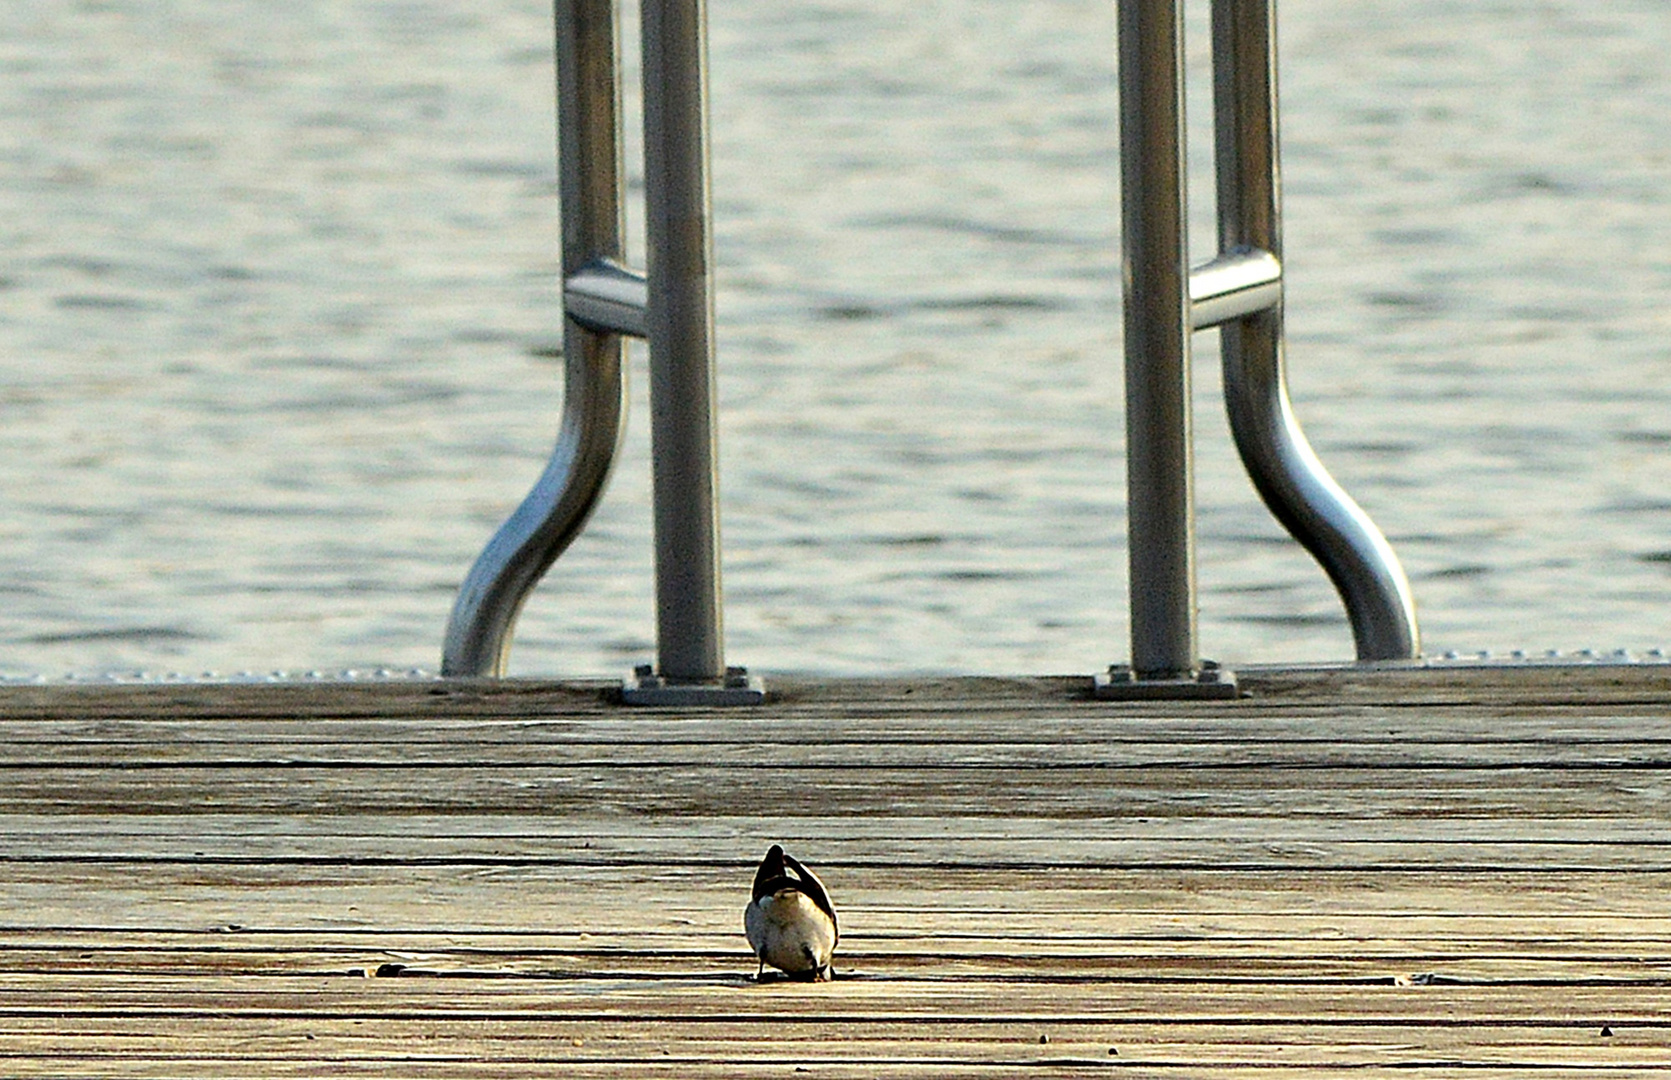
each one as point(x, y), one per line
point(679, 325)
point(1155, 273)
point(1293, 483)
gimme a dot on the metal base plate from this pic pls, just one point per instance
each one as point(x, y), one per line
point(1211, 683)
point(644, 687)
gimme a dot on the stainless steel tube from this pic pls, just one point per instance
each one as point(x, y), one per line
point(680, 330)
point(1232, 286)
point(606, 298)
point(1289, 477)
point(1155, 273)
point(594, 400)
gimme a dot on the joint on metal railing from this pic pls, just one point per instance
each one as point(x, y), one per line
point(1235, 285)
point(607, 298)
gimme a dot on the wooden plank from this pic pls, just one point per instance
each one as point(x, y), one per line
point(1280, 937)
point(1047, 744)
point(623, 839)
point(842, 1038)
point(731, 995)
point(1279, 963)
point(776, 1062)
point(1365, 795)
point(351, 897)
point(1330, 689)
point(212, 853)
point(629, 848)
point(1017, 1045)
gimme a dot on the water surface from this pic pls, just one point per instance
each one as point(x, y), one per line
point(277, 324)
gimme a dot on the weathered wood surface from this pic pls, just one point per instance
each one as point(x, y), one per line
point(1413, 871)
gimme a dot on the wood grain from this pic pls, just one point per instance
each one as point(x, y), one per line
point(1400, 869)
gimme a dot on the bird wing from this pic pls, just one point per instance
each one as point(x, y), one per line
point(814, 890)
point(770, 877)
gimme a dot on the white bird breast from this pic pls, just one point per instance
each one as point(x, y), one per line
point(789, 932)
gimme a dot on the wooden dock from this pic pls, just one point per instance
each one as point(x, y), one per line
point(1421, 871)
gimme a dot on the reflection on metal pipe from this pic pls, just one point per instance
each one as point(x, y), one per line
point(607, 299)
point(1234, 285)
point(1289, 477)
point(594, 398)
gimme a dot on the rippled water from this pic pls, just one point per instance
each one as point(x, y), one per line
point(277, 320)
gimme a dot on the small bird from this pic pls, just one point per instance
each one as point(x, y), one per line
point(790, 922)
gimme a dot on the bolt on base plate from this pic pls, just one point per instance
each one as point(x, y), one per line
point(1211, 683)
point(645, 687)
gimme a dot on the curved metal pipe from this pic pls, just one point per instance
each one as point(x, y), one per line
point(484, 615)
point(594, 391)
point(1289, 477)
point(1307, 501)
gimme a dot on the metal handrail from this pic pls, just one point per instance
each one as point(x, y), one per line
point(1240, 292)
point(1284, 469)
point(590, 178)
point(672, 307)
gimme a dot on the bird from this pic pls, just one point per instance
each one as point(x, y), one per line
point(790, 921)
